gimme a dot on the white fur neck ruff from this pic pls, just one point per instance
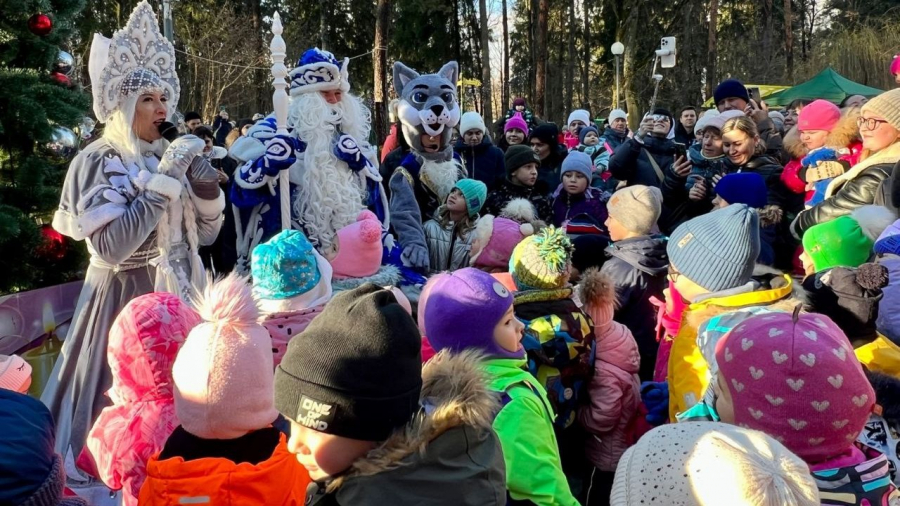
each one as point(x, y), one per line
point(136, 60)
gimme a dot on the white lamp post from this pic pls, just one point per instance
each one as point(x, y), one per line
point(617, 49)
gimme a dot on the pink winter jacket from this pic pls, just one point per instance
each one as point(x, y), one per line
point(614, 392)
point(283, 327)
point(143, 343)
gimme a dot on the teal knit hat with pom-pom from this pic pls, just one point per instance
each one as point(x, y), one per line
point(541, 261)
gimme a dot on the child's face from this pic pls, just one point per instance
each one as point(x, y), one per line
point(324, 455)
point(509, 331)
point(574, 182)
point(719, 202)
point(520, 108)
point(591, 139)
point(814, 139)
point(525, 175)
point(617, 232)
point(808, 267)
point(514, 136)
point(724, 403)
point(456, 203)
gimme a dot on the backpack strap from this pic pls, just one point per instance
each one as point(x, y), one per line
point(659, 172)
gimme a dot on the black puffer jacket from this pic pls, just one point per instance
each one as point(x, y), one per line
point(856, 188)
point(770, 169)
point(638, 268)
point(506, 191)
point(483, 162)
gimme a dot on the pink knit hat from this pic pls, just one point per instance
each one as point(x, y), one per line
point(15, 373)
point(819, 115)
point(223, 373)
point(359, 248)
point(495, 240)
point(516, 122)
point(796, 378)
point(895, 65)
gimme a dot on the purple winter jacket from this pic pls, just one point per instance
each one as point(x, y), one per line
point(566, 207)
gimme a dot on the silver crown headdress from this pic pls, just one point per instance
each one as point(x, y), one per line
point(137, 59)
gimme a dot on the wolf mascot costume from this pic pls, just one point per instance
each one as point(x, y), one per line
point(428, 111)
point(333, 172)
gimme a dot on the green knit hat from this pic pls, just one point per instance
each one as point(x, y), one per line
point(840, 242)
point(475, 192)
point(541, 261)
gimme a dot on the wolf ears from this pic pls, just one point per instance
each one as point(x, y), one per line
point(450, 72)
point(404, 74)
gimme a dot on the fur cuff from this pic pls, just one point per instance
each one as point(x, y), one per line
point(209, 207)
point(166, 186)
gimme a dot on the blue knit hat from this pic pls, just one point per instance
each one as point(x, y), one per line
point(287, 266)
point(731, 88)
point(744, 188)
point(576, 161)
point(717, 250)
point(586, 130)
point(475, 193)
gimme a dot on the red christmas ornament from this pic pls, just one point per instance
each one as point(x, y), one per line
point(61, 78)
point(53, 246)
point(40, 24)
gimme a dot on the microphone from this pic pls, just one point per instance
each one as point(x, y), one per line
point(168, 130)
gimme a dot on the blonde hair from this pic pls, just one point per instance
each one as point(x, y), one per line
point(748, 127)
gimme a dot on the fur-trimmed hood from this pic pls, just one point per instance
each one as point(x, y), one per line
point(793, 145)
point(846, 132)
point(450, 442)
point(770, 215)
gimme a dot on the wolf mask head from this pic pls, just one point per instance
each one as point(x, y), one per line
point(428, 107)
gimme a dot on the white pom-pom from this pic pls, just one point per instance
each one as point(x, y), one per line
point(520, 210)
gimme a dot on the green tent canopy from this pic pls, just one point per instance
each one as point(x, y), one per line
point(827, 85)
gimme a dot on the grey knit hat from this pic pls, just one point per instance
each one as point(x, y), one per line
point(886, 105)
point(576, 161)
point(636, 207)
point(717, 250)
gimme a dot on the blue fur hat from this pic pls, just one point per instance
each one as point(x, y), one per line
point(287, 266)
point(319, 70)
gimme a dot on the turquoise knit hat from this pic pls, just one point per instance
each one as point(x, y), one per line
point(717, 250)
point(475, 192)
point(284, 266)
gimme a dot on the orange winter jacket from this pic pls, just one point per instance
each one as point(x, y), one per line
point(280, 480)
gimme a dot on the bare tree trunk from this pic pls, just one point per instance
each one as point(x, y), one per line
point(628, 77)
point(789, 40)
point(457, 44)
point(379, 64)
point(533, 53)
point(323, 24)
point(260, 77)
point(711, 79)
point(486, 88)
point(570, 68)
point(504, 96)
point(540, 78)
point(767, 7)
point(586, 60)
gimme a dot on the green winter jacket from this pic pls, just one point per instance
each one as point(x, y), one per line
point(525, 428)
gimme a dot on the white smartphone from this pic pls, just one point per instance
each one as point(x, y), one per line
point(667, 52)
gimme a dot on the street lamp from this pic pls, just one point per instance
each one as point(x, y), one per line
point(617, 49)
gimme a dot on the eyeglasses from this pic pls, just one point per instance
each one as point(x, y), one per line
point(870, 123)
point(673, 275)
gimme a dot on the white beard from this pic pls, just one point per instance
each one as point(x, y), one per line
point(442, 176)
point(330, 195)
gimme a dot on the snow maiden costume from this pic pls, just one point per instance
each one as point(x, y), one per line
point(428, 111)
point(143, 209)
point(333, 171)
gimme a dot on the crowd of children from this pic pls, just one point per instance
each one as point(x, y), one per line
point(599, 343)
